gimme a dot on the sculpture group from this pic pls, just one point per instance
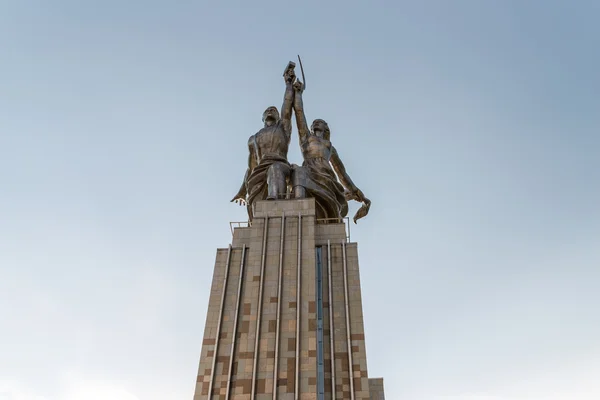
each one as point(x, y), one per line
point(270, 176)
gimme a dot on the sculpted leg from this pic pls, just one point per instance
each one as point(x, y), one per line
point(277, 176)
point(298, 180)
point(299, 192)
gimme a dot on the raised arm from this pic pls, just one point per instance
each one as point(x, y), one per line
point(288, 99)
point(303, 129)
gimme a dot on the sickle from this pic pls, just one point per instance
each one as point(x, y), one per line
point(302, 70)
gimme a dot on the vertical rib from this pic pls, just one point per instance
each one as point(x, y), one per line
point(350, 366)
point(331, 333)
point(216, 349)
point(235, 321)
point(275, 371)
point(258, 315)
point(319, 301)
point(298, 307)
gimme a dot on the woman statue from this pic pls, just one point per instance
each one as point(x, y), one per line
point(317, 176)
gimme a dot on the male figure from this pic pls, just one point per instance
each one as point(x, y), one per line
point(268, 168)
point(317, 175)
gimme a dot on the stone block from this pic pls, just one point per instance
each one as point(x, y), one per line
point(276, 208)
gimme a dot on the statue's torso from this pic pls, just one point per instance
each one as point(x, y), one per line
point(315, 147)
point(271, 140)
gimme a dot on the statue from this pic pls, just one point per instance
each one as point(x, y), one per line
point(269, 175)
point(268, 170)
point(316, 177)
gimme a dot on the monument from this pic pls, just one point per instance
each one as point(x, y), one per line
point(285, 315)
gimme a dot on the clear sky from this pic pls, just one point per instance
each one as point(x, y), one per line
point(473, 126)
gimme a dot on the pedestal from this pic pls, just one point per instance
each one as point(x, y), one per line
point(285, 312)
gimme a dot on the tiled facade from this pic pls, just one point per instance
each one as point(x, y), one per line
point(376, 388)
point(251, 372)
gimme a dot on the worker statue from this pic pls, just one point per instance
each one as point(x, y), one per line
point(269, 171)
point(270, 176)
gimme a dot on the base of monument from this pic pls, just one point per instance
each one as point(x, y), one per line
point(285, 312)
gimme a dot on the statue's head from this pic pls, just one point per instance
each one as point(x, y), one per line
point(320, 128)
point(271, 115)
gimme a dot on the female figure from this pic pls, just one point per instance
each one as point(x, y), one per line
point(317, 175)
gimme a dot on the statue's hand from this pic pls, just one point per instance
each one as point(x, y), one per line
point(298, 86)
point(354, 194)
point(289, 75)
point(359, 196)
point(240, 199)
point(362, 211)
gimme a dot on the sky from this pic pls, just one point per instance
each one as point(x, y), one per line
point(472, 125)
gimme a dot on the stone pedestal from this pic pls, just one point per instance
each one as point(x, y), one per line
point(273, 324)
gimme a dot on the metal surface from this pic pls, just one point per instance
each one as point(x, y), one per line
point(279, 286)
point(350, 365)
point(302, 70)
point(331, 332)
point(298, 307)
point(268, 168)
point(216, 350)
point(259, 312)
point(322, 166)
point(235, 321)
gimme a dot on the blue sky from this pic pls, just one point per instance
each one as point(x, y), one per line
point(473, 126)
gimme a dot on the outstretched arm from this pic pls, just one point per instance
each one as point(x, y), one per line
point(340, 170)
point(303, 129)
point(240, 197)
point(288, 100)
point(352, 192)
